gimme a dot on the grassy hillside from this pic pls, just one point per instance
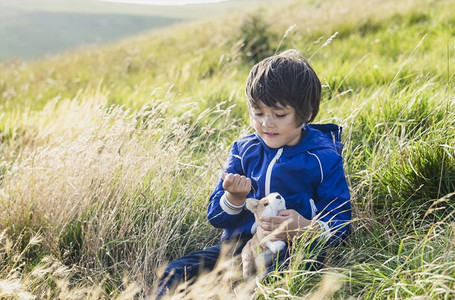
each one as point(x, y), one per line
point(37, 29)
point(108, 154)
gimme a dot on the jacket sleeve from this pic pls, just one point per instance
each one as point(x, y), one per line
point(220, 212)
point(333, 200)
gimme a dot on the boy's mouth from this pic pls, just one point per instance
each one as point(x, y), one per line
point(270, 134)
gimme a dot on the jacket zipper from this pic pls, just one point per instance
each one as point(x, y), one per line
point(268, 175)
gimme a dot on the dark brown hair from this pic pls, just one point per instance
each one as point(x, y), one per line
point(286, 79)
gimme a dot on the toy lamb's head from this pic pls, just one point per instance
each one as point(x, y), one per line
point(275, 203)
point(267, 206)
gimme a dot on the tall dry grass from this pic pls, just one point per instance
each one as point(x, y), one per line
point(48, 279)
point(112, 190)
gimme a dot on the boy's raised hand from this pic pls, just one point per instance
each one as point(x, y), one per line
point(237, 187)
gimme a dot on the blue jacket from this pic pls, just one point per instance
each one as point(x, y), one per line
point(309, 176)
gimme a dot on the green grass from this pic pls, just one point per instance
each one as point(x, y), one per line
point(108, 154)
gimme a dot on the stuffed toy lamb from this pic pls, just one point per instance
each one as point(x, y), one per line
point(255, 256)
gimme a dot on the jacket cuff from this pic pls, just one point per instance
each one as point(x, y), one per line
point(230, 208)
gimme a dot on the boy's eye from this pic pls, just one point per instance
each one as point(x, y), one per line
point(280, 115)
point(258, 114)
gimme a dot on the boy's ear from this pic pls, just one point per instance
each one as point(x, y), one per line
point(309, 117)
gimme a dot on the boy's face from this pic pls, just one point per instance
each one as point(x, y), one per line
point(276, 126)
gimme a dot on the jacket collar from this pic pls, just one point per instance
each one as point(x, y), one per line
point(315, 136)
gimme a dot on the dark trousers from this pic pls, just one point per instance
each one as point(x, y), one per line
point(189, 267)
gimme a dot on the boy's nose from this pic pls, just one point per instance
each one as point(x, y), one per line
point(267, 121)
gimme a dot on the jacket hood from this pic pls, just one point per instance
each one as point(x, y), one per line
point(316, 136)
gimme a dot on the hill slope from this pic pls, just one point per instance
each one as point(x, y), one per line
point(108, 154)
point(33, 30)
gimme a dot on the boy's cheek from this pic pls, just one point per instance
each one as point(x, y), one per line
point(252, 123)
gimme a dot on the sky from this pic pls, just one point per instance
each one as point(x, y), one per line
point(164, 2)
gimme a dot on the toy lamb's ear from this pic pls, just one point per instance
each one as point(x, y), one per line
point(252, 204)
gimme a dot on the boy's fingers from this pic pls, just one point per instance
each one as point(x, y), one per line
point(265, 219)
point(267, 227)
point(236, 182)
point(247, 185)
point(284, 213)
point(228, 180)
point(240, 181)
point(274, 220)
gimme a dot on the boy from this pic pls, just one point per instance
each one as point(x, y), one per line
point(285, 155)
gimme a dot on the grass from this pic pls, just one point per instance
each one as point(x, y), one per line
point(108, 154)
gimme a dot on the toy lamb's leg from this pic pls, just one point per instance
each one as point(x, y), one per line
point(263, 261)
point(275, 246)
point(248, 263)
